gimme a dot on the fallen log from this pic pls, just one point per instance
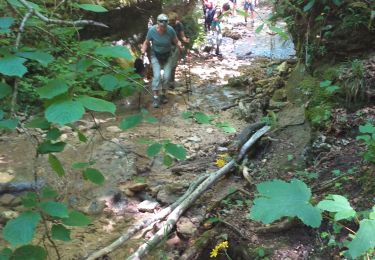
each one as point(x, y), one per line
point(15, 187)
point(244, 136)
point(146, 222)
point(185, 204)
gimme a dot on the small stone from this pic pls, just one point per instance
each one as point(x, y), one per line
point(7, 199)
point(138, 186)
point(195, 139)
point(185, 227)
point(9, 214)
point(95, 208)
point(129, 193)
point(209, 130)
point(147, 206)
point(113, 129)
point(65, 129)
point(63, 137)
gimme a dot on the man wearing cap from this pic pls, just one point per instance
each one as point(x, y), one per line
point(162, 36)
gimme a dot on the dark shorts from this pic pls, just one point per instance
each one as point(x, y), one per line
point(248, 6)
point(233, 1)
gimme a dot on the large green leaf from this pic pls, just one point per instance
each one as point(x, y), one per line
point(29, 200)
point(55, 209)
point(202, 118)
point(56, 165)
point(53, 134)
point(153, 149)
point(281, 199)
point(48, 193)
point(38, 122)
point(6, 22)
point(226, 127)
point(12, 66)
point(93, 8)
point(5, 90)
point(49, 147)
point(41, 57)
point(29, 252)
point(8, 124)
point(368, 128)
point(131, 121)
point(338, 204)
point(76, 219)
point(309, 5)
point(97, 104)
point(94, 176)
point(64, 112)
point(5, 254)
point(364, 239)
point(59, 232)
point(114, 52)
point(259, 28)
point(176, 151)
point(108, 82)
point(20, 231)
point(53, 88)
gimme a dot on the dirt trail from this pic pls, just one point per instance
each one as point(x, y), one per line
point(120, 158)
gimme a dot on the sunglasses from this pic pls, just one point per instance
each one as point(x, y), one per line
point(163, 21)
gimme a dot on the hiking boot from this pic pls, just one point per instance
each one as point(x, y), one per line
point(164, 99)
point(156, 102)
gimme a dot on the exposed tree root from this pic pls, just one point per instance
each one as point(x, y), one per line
point(15, 187)
point(179, 207)
point(278, 227)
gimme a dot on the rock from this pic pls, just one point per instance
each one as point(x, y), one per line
point(65, 129)
point(8, 214)
point(277, 104)
point(133, 186)
point(95, 208)
point(291, 115)
point(186, 228)
point(195, 139)
point(147, 206)
point(129, 193)
point(279, 95)
point(209, 130)
point(9, 200)
point(113, 129)
point(282, 68)
point(166, 197)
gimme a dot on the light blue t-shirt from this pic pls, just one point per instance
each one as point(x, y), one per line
point(161, 43)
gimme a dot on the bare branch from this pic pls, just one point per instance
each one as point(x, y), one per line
point(58, 21)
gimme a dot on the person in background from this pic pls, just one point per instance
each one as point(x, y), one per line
point(209, 12)
point(179, 28)
point(161, 38)
point(216, 24)
point(248, 5)
point(234, 2)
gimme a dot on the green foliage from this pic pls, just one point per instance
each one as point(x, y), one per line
point(5, 90)
point(76, 219)
point(49, 147)
point(94, 176)
point(327, 85)
point(43, 58)
point(108, 82)
point(339, 205)
point(368, 137)
point(202, 118)
point(56, 165)
point(54, 209)
point(29, 252)
point(97, 104)
point(134, 120)
point(53, 88)
point(364, 238)
point(20, 231)
point(93, 8)
point(168, 149)
point(64, 111)
point(60, 232)
point(12, 66)
point(279, 199)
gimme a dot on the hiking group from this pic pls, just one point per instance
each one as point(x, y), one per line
point(165, 41)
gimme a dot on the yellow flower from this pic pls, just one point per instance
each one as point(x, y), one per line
point(213, 252)
point(220, 162)
point(223, 245)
